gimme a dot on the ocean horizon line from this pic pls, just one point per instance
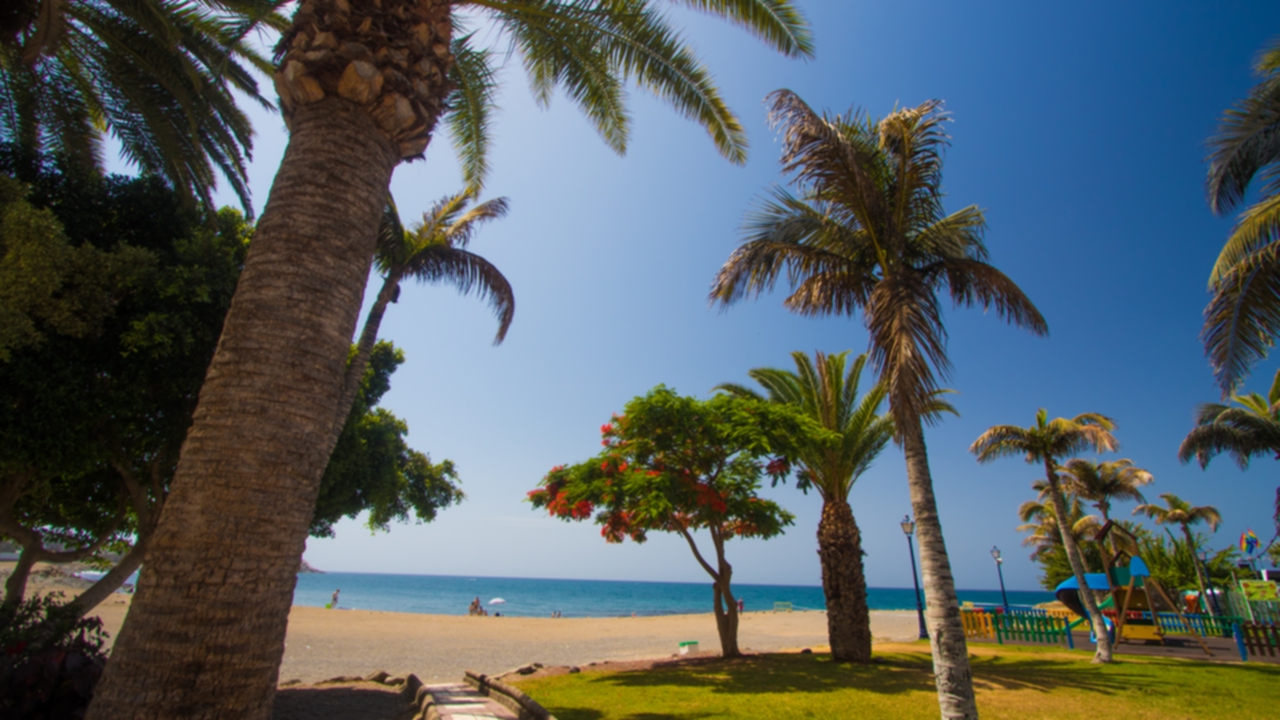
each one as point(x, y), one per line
point(655, 582)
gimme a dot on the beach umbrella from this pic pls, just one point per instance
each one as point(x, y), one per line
point(497, 601)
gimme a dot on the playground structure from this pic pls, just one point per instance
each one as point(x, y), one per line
point(1132, 611)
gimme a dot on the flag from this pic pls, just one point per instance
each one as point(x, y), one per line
point(1248, 542)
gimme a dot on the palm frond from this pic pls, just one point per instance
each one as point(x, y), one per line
point(1258, 227)
point(774, 21)
point(1248, 138)
point(469, 273)
point(471, 106)
point(1243, 316)
point(973, 282)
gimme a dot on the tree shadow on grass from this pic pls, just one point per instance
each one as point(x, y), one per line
point(898, 673)
point(780, 673)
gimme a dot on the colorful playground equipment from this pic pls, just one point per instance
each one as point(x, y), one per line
point(1137, 608)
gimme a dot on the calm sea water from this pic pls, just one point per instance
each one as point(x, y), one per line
point(529, 597)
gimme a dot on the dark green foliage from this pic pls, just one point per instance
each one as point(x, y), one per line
point(50, 659)
point(373, 469)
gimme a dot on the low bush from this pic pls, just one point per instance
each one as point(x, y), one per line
point(50, 659)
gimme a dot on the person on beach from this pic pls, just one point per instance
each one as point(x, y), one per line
point(741, 606)
point(334, 602)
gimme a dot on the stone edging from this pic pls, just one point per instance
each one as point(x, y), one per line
point(522, 705)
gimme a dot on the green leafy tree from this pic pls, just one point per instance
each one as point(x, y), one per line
point(1045, 442)
point(1241, 321)
point(92, 424)
point(1100, 483)
point(362, 87)
point(374, 470)
point(824, 391)
point(1177, 511)
point(158, 76)
point(682, 465)
point(868, 233)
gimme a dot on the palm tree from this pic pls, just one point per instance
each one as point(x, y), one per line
point(1241, 321)
point(157, 75)
point(1045, 442)
point(1100, 483)
point(362, 86)
point(1179, 512)
point(869, 233)
point(1041, 521)
point(435, 250)
point(1248, 429)
point(827, 393)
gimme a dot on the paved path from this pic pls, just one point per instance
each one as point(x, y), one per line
point(459, 701)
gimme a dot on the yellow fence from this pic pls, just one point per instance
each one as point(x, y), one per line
point(977, 624)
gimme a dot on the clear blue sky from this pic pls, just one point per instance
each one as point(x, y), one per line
point(1080, 127)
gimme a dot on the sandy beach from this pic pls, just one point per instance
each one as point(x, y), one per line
point(326, 643)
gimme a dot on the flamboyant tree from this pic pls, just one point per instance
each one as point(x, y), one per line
point(682, 465)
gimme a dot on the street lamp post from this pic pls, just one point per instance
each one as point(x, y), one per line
point(995, 553)
point(909, 529)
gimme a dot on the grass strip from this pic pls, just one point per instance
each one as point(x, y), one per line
point(1011, 681)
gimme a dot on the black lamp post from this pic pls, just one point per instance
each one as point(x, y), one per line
point(995, 553)
point(909, 529)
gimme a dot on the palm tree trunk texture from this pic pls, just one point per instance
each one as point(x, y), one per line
point(1102, 652)
point(952, 674)
point(843, 583)
point(205, 634)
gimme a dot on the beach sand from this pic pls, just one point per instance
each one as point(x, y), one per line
point(326, 643)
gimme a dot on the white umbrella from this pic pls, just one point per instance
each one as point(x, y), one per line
point(497, 601)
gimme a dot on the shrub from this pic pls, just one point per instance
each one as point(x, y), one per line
point(50, 659)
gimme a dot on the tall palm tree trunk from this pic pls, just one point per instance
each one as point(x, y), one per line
point(843, 583)
point(205, 634)
point(1102, 652)
point(951, 670)
point(1194, 549)
point(360, 360)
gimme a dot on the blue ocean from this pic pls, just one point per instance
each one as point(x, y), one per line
point(530, 597)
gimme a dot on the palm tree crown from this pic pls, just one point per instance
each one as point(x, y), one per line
point(1241, 321)
point(869, 233)
point(1041, 521)
point(1100, 483)
point(1047, 440)
point(1180, 512)
point(1248, 429)
point(828, 394)
point(157, 75)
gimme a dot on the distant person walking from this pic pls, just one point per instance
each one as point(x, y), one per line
point(334, 602)
point(742, 606)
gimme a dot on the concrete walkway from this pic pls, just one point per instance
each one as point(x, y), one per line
point(459, 701)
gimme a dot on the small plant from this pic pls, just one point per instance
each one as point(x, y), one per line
point(50, 659)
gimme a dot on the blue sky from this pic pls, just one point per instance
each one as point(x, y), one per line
point(1080, 127)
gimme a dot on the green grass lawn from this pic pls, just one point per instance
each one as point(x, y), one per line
point(1012, 682)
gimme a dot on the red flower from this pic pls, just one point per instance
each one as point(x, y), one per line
point(778, 467)
point(606, 429)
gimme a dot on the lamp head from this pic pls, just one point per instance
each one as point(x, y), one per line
point(995, 553)
point(908, 527)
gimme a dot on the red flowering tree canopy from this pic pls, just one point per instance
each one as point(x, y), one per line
point(678, 464)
